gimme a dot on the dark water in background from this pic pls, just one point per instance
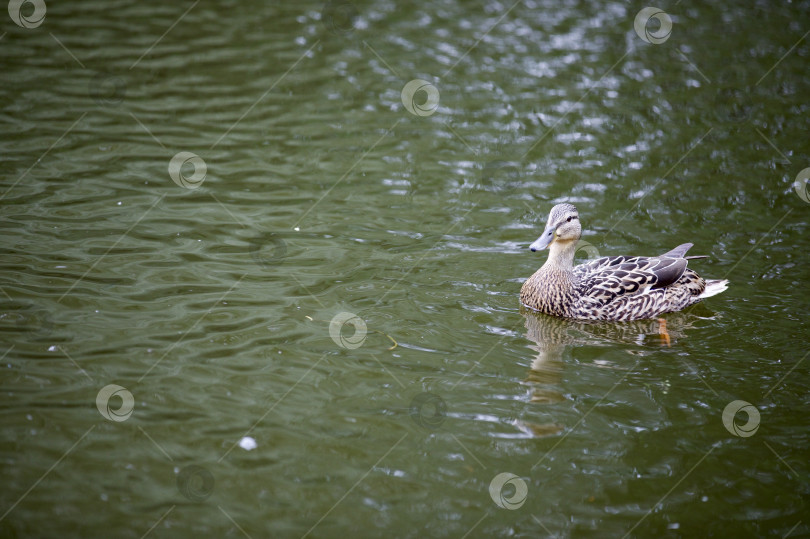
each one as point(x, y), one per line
point(322, 194)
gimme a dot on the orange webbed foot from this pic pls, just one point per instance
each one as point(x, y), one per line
point(662, 331)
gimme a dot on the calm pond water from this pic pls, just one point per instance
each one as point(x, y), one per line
point(257, 282)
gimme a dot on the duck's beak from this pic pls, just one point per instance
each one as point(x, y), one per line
point(544, 240)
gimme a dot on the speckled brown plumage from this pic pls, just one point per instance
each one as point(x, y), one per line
point(609, 288)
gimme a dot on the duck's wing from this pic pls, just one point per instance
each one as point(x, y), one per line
point(603, 280)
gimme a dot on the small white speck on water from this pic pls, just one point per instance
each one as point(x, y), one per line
point(247, 443)
point(297, 229)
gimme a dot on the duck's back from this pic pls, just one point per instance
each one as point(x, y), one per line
point(631, 288)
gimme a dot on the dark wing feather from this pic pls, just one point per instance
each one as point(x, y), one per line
point(678, 251)
point(667, 270)
point(603, 280)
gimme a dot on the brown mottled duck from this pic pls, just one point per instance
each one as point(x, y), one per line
point(611, 287)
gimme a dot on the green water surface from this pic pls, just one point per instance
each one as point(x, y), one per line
point(333, 275)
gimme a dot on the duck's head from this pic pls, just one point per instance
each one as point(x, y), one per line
point(562, 226)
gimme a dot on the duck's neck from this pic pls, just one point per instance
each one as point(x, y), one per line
point(561, 258)
point(551, 289)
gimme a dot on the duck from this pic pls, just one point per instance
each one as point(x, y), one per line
point(618, 288)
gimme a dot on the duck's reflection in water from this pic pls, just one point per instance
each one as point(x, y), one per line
point(552, 336)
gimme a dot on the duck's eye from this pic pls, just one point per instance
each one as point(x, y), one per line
point(569, 219)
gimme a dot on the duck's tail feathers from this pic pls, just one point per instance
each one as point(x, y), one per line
point(714, 287)
point(678, 251)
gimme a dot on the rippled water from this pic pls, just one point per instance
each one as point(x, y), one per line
point(316, 192)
